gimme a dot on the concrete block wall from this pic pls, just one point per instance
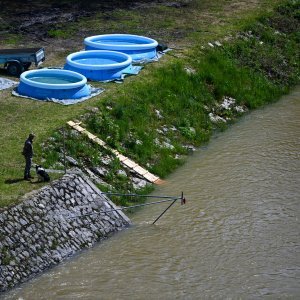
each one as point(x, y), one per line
point(52, 224)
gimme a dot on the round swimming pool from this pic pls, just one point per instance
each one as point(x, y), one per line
point(138, 47)
point(53, 84)
point(99, 65)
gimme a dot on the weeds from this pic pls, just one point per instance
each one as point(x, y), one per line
point(153, 118)
point(59, 33)
point(151, 123)
point(271, 45)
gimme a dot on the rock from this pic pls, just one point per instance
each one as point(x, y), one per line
point(30, 229)
point(42, 206)
point(56, 256)
point(192, 130)
point(165, 129)
point(240, 109)
point(227, 103)
point(157, 142)
point(26, 254)
point(93, 109)
point(23, 222)
point(29, 210)
point(158, 114)
point(49, 230)
point(121, 173)
point(168, 145)
point(8, 241)
point(72, 161)
point(72, 234)
point(9, 227)
point(190, 70)
point(100, 171)
point(33, 248)
point(36, 218)
point(106, 160)
point(138, 183)
point(189, 147)
point(215, 118)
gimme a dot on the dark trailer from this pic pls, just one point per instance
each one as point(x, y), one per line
point(17, 61)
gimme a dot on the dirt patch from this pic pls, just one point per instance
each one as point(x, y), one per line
point(54, 24)
point(59, 26)
point(36, 18)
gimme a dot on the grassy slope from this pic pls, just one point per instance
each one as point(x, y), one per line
point(196, 24)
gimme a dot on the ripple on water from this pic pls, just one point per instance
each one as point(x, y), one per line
point(237, 236)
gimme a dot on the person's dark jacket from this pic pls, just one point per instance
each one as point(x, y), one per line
point(28, 148)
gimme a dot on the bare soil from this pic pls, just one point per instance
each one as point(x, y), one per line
point(35, 18)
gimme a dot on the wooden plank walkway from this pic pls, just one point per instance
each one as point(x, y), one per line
point(123, 159)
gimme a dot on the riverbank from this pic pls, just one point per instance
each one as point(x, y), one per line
point(236, 237)
point(188, 98)
point(173, 106)
point(52, 224)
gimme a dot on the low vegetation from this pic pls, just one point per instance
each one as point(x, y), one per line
point(173, 106)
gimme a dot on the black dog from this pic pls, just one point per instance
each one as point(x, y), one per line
point(41, 173)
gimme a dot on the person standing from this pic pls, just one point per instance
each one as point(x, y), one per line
point(28, 154)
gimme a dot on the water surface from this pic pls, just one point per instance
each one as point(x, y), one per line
point(98, 61)
point(54, 79)
point(237, 236)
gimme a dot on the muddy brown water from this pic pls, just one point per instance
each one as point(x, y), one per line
point(238, 236)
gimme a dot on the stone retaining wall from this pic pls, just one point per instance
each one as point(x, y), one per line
point(51, 224)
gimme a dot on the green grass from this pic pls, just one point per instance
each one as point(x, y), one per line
point(12, 40)
point(128, 112)
point(60, 33)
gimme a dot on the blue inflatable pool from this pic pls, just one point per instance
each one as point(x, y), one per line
point(53, 84)
point(99, 65)
point(138, 47)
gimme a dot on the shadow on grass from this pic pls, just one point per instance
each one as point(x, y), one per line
point(4, 73)
point(12, 181)
point(16, 180)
